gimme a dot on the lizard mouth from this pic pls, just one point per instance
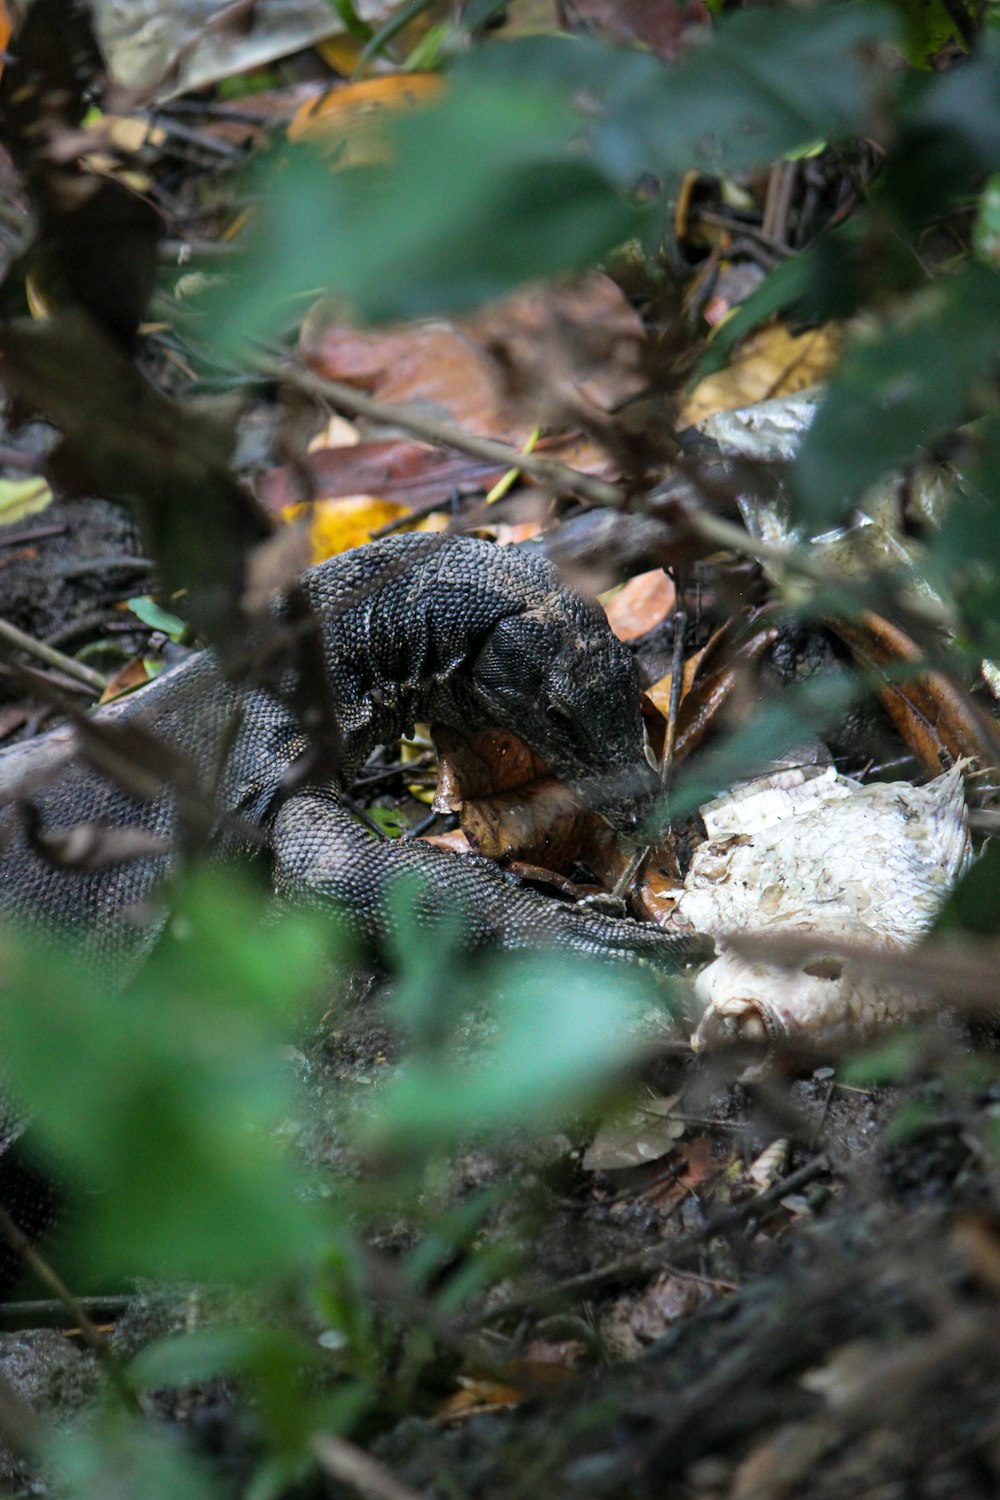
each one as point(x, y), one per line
point(624, 799)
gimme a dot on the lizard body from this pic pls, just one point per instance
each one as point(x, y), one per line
point(448, 629)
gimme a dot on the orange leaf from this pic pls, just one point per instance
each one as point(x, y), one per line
point(935, 716)
point(639, 605)
point(351, 121)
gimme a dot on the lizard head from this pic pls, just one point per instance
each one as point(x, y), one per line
point(557, 677)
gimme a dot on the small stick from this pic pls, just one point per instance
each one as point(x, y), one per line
point(52, 658)
point(676, 686)
point(631, 870)
point(50, 1312)
point(444, 435)
point(31, 534)
point(657, 1257)
point(352, 1466)
point(96, 1341)
point(701, 523)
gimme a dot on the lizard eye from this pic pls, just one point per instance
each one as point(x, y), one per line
point(556, 714)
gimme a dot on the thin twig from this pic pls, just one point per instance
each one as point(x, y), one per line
point(700, 523)
point(443, 434)
point(638, 858)
point(52, 658)
point(92, 1335)
point(13, 458)
point(50, 1312)
point(352, 1466)
point(658, 1257)
point(30, 534)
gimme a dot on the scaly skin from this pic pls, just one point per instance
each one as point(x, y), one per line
point(452, 630)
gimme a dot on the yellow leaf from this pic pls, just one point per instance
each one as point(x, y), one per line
point(352, 120)
point(771, 362)
point(22, 497)
point(341, 53)
point(336, 526)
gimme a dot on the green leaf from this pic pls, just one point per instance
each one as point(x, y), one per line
point(762, 84)
point(194, 1358)
point(354, 25)
point(932, 25)
point(986, 233)
point(892, 1061)
point(122, 1458)
point(486, 191)
point(896, 392)
point(150, 613)
point(391, 820)
point(972, 905)
point(767, 82)
point(166, 1103)
point(561, 1030)
point(784, 287)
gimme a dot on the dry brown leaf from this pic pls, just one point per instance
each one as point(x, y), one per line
point(455, 841)
point(660, 28)
point(937, 718)
point(476, 1396)
point(718, 672)
point(659, 692)
point(490, 373)
point(976, 1237)
point(644, 1134)
point(566, 1353)
point(771, 362)
point(134, 674)
point(639, 605)
point(512, 809)
point(399, 470)
point(336, 526)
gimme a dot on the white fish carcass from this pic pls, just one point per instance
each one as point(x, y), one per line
point(818, 855)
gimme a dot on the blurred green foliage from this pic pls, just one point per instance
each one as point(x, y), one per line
point(171, 1102)
point(165, 1110)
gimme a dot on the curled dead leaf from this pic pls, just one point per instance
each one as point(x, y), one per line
point(771, 362)
point(936, 717)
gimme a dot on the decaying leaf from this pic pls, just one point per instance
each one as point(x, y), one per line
point(935, 716)
point(476, 1396)
point(481, 373)
point(170, 48)
point(769, 364)
point(646, 1133)
point(400, 471)
point(22, 497)
point(134, 674)
point(512, 809)
point(349, 121)
point(713, 678)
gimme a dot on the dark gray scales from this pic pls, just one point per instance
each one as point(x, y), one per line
point(447, 629)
